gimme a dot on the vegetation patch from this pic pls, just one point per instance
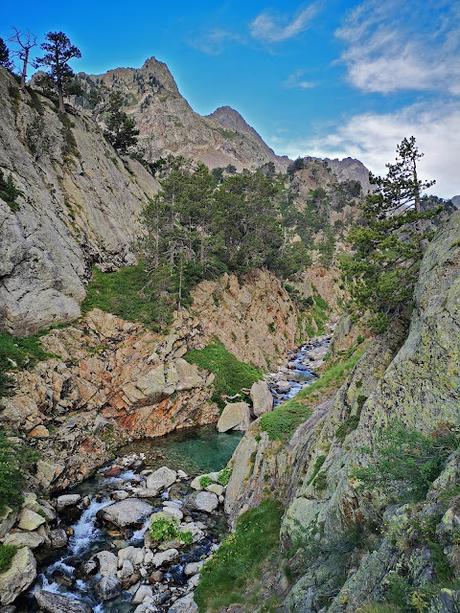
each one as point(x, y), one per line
point(9, 192)
point(232, 376)
point(282, 422)
point(122, 293)
point(238, 561)
point(404, 463)
point(14, 460)
point(224, 476)
point(7, 553)
point(163, 529)
point(17, 353)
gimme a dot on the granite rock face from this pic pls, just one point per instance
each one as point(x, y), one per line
point(79, 205)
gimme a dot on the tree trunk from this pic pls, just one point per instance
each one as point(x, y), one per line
point(24, 69)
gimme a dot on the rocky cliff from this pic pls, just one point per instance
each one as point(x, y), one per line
point(168, 124)
point(78, 204)
point(108, 381)
point(344, 547)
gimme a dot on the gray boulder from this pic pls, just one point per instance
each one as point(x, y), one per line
point(18, 577)
point(161, 479)
point(184, 605)
point(127, 512)
point(55, 603)
point(203, 501)
point(235, 416)
point(108, 588)
point(262, 399)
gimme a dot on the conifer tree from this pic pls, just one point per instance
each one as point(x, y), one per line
point(121, 129)
point(5, 61)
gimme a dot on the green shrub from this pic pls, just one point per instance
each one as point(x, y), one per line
point(123, 293)
point(14, 460)
point(316, 468)
point(163, 529)
point(224, 476)
point(232, 376)
point(346, 427)
point(404, 462)
point(237, 563)
point(9, 192)
point(7, 553)
point(282, 422)
point(205, 481)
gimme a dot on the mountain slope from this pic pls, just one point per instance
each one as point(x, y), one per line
point(168, 124)
point(79, 204)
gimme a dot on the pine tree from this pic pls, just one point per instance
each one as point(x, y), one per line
point(121, 130)
point(58, 52)
point(388, 242)
point(5, 61)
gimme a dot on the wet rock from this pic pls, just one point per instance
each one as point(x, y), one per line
point(113, 471)
point(126, 570)
point(108, 563)
point(108, 588)
point(164, 557)
point(161, 479)
point(55, 603)
point(89, 568)
point(156, 577)
point(18, 577)
point(192, 568)
point(262, 400)
point(29, 520)
point(24, 539)
point(184, 605)
point(203, 501)
point(235, 416)
point(173, 512)
point(129, 512)
point(58, 538)
point(215, 488)
point(142, 594)
point(67, 500)
point(120, 495)
point(134, 554)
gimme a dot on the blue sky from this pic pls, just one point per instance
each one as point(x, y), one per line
point(329, 77)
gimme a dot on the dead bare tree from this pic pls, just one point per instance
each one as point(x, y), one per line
point(25, 42)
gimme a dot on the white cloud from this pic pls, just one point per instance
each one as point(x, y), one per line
point(372, 138)
point(296, 80)
point(409, 45)
point(214, 41)
point(271, 28)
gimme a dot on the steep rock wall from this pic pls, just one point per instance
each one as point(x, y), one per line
point(80, 204)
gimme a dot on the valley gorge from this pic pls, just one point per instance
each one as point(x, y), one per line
point(231, 451)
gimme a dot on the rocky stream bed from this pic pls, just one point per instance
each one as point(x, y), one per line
point(102, 556)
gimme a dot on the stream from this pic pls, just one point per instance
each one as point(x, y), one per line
point(71, 571)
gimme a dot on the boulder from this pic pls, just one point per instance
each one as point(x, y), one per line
point(126, 571)
point(262, 399)
point(55, 603)
point(215, 488)
point(120, 495)
point(8, 518)
point(58, 538)
point(203, 501)
point(161, 479)
point(235, 416)
point(108, 563)
point(192, 568)
point(24, 539)
point(129, 512)
point(29, 520)
point(67, 500)
point(184, 605)
point(135, 555)
point(174, 512)
point(39, 431)
point(47, 472)
point(18, 577)
point(144, 592)
point(108, 588)
point(164, 557)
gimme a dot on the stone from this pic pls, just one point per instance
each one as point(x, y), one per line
point(8, 518)
point(129, 512)
point(56, 603)
point(262, 399)
point(47, 472)
point(135, 555)
point(186, 604)
point(58, 538)
point(126, 570)
point(215, 488)
point(144, 592)
point(19, 577)
point(120, 495)
point(192, 568)
point(161, 479)
point(174, 512)
point(29, 520)
point(67, 500)
point(166, 556)
point(108, 588)
point(39, 431)
point(235, 416)
point(24, 539)
point(203, 501)
point(108, 563)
